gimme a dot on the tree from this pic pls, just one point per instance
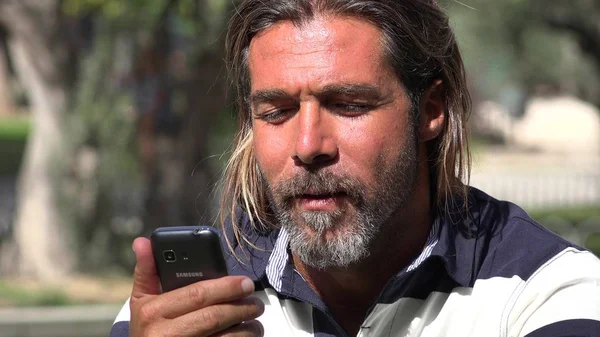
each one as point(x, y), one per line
point(521, 46)
point(7, 104)
point(40, 246)
point(179, 186)
point(580, 18)
point(80, 142)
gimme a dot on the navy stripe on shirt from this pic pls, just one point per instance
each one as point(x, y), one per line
point(120, 329)
point(584, 328)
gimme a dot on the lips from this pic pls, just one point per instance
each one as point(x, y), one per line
point(320, 202)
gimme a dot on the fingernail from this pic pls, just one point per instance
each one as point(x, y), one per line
point(260, 305)
point(247, 286)
point(261, 328)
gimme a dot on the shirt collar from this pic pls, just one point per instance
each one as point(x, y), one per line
point(278, 260)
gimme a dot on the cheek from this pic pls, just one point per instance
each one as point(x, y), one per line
point(361, 151)
point(270, 150)
point(370, 148)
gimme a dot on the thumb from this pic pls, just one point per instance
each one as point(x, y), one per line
point(145, 277)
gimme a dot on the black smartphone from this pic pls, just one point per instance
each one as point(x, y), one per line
point(184, 255)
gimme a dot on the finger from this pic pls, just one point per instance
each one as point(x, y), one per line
point(220, 317)
point(145, 276)
point(246, 329)
point(202, 294)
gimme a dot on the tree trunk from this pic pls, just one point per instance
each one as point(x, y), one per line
point(40, 246)
point(207, 100)
point(7, 103)
point(183, 192)
point(206, 92)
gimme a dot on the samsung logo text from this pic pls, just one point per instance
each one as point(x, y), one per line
point(185, 275)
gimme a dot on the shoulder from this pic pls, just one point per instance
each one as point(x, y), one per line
point(560, 298)
point(510, 243)
point(551, 284)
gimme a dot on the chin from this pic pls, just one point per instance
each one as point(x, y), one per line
point(319, 223)
point(340, 246)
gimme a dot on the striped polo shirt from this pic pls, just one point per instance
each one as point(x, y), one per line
point(495, 272)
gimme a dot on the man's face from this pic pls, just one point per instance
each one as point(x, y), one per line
point(333, 136)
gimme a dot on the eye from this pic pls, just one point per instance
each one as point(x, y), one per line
point(350, 108)
point(276, 116)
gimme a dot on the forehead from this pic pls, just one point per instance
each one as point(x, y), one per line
point(325, 49)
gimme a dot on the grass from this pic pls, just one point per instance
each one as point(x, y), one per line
point(575, 215)
point(479, 145)
point(13, 137)
point(570, 214)
point(593, 243)
point(77, 290)
point(14, 295)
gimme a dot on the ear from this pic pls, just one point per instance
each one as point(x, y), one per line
point(432, 115)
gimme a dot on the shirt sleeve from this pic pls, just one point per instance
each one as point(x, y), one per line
point(561, 299)
point(120, 327)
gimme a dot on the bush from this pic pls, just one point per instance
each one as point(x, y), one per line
point(13, 137)
point(575, 217)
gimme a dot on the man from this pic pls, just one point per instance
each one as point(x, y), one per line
point(345, 189)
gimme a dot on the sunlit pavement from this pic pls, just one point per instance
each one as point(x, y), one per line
point(538, 180)
point(89, 321)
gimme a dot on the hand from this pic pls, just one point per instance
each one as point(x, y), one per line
point(219, 307)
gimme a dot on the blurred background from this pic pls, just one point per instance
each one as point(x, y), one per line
point(115, 119)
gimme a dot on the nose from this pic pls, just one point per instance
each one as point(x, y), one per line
point(315, 143)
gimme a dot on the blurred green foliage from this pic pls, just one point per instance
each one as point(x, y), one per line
point(103, 205)
point(575, 216)
point(14, 128)
point(511, 50)
point(592, 243)
point(102, 117)
point(13, 137)
point(11, 295)
point(147, 13)
point(101, 137)
point(571, 214)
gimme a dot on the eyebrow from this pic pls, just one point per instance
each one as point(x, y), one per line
point(268, 95)
point(366, 91)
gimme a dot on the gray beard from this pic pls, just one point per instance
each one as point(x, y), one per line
point(354, 234)
point(341, 251)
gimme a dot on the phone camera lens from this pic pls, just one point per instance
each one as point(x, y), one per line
point(169, 256)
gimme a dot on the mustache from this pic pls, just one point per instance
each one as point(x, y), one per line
point(319, 183)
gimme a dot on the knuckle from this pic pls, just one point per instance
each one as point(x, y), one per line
point(198, 294)
point(252, 309)
point(146, 313)
point(212, 319)
point(138, 274)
